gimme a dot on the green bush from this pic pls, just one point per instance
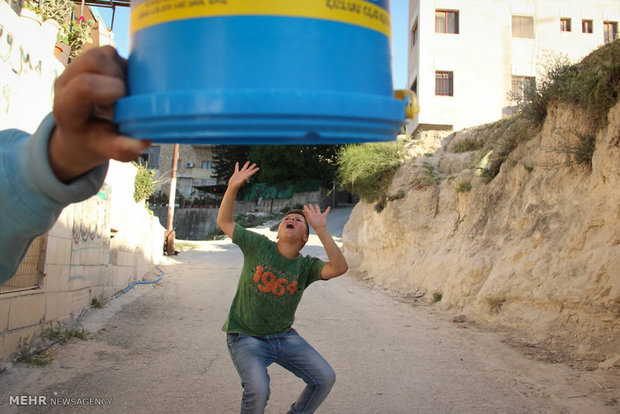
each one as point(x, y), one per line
point(143, 184)
point(593, 84)
point(366, 170)
point(463, 187)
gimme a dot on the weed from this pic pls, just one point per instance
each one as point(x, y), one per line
point(98, 302)
point(27, 353)
point(580, 153)
point(463, 187)
point(437, 296)
point(52, 333)
point(430, 174)
point(467, 146)
point(78, 332)
point(495, 304)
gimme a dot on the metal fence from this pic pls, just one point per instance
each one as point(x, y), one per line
point(29, 275)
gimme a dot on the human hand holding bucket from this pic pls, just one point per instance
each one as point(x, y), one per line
point(261, 72)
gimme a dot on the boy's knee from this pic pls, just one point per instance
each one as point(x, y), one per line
point(256, 393)
point(331, 378)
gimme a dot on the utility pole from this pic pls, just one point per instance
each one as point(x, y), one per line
point(173, 189)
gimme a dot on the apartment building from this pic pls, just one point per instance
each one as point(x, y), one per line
point(467, 58)
point(194, 167)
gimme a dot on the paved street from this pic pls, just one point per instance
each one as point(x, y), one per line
point(159, 349)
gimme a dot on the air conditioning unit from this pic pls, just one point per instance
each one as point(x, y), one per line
point(189, 164)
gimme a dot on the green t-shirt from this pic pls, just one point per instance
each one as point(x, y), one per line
point(270, 286)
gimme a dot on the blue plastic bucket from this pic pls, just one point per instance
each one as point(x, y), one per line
point(260, 72)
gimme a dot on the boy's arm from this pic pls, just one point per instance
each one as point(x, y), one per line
point(225, 214)
point(337, 264)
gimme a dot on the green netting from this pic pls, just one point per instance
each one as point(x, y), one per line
point(270, 192)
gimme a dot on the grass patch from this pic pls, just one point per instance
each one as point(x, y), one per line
point(367, 170)
point(467, 146)
point(437, 296)
point(28, 354)
point(463, 187)
point(184, 245)
point(98, 302)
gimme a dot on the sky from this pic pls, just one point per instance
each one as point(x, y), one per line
point(399, 14)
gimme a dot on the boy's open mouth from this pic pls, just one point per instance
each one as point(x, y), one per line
point(290, 226)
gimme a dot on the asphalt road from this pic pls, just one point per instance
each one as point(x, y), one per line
point(160, 349)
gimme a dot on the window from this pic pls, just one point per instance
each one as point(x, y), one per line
point(207, 165)
point(444, 83)
point(610, 30)
point(446, 21)
point(587, 26)
point(150, 158)
point(179, 164)
point(521, 85)
point(414, 34)
point(523, 26)
point(565, 24)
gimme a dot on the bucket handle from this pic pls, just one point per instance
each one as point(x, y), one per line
point(412, 108)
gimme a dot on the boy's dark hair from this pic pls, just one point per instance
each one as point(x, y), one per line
point(301, 213)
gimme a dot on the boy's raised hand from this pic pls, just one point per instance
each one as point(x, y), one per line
point(315, 218)
point(240, 176)
point(84, 96)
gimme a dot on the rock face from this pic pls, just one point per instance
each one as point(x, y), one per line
point(537, 248)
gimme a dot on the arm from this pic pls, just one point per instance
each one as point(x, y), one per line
point(225, 213)
point(65, 160)
point(337, 264)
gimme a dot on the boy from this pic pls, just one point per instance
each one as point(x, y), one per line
point(66, 159)
point(273, 279)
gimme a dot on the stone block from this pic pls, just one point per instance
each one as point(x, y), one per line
point(10, 340)
point(79, 300)
point(26, 310)
point(56, 277)
point(58, 250)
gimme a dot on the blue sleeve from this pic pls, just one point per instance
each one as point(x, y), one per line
point(31, 197)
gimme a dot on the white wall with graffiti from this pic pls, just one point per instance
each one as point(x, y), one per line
point(28, 69)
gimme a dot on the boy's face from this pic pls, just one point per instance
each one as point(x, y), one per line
point(293, 227)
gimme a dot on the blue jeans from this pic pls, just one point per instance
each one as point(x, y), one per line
point(253, 354)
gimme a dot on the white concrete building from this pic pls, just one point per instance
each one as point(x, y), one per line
point(466, 57)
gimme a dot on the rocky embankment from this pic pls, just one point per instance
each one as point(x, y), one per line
point(535, 249)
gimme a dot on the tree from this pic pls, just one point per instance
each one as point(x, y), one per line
point(281, 164)
point(224, 158)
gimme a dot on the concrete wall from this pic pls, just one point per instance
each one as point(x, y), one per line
point(97, 247)
point(484, 55)
point(197, 223)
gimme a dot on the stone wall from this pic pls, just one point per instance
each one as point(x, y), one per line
point(536, 250)
point(197, 223)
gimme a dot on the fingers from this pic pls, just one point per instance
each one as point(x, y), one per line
point(89, 86)
point(103, 61)
point(74, 103)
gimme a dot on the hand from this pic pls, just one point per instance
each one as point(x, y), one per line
point(84, 96)
point(314, 216)
point(239, 177)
